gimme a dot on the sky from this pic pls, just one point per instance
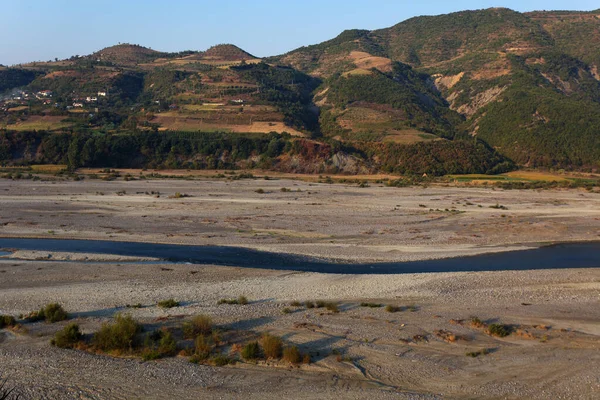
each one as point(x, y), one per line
point(40, 30)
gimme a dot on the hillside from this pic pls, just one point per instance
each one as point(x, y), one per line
point(509, 87)
point(511, 76)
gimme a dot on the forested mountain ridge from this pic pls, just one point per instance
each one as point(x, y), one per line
point(512, 88)
point(527, 84)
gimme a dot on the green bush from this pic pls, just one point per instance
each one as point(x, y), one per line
point(292, 355)
point(272, 346)
point(392, 309)
point(7, 321)
point(309, 304)
point(242, 300)
point(320, 303)
point(500, 330)
point(199, 325)
point(251, 351)
point(54, 313)
point(295, 304)
point(68, 337)
point(371, 305)
point(167, 344)
point(202, 348)
point(220, 360)
point(333, 307)
point(118, 336)
point(478, 353)
point(170, 303)
point(287, 310)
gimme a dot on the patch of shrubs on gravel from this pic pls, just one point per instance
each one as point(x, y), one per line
point(50, 313)
point(7, 321)
point(199, 325)
point(67, 338)
point(392, 309)
point(169, 303)
point(158, 344)
point(371, 305)
point(272, 348)
point(119, 336)
point(500, 330)
point(478, 353)
point(242, 300)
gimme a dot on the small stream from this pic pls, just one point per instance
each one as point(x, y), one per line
point(557, 256)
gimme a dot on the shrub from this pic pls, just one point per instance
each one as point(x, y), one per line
point(272, 346)
point(392, 309)
point(500, 330)
point(149, 354)
point(199, 325)
point(7, 321)
point(295, 304)
point(287, 310)
point(170, 303)
point(138, 305)
point(478, 353)
point(371, 305)
point(240, 300)
point(292, 355)
point(320, 303)
point(167, 344)
point(118, 336)
point(68, 337)
point(309, 304)
point(333, 307)
point(203, 348)
point(306, 359)
point(221, 360)
point(477, 323)
point(54, 313)
point(251, 351)
point(260, 191)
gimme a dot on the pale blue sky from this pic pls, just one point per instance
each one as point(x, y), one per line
point(35, 30)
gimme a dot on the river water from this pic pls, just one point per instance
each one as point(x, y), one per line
point(567, 255)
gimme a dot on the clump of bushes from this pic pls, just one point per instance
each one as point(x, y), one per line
point(499, 330)
point(272, 346)
point(51, 313)
point(295, 304)
point(331, 306)
point(287, 310)
point(119, 336)
point(170, 303)
point(242, 300)
point(7, 321)
point(199, 325)
point(68, 337)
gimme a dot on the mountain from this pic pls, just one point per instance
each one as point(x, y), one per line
point(125, 54)
point(473, 91)
point(527, 84)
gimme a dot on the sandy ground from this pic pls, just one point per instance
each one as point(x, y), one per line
point(332, 221)
point(389, 355)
